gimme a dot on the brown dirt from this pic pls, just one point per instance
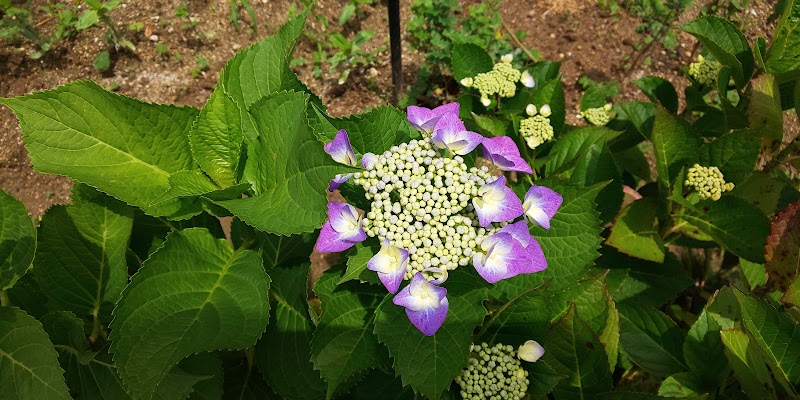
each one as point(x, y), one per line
point(587, 40)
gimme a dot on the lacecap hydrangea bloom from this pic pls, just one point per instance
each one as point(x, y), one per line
point(705, 71)
point(536, 129)
point(500, 81)
point(432, 213)
point(708, 182)
point(599, 116)
point(495, 372)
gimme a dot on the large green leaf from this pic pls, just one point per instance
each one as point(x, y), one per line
point(727, 43)
point(778, 336)
point(703, 351)
point(284, 352)
point(572, 349)
point(468, 60)
point(28, 363)
point(81, 262)
point(765, 113)
point(296, 169)
point(735, 224)
point(747, 364)
point(635, 232)
point(17, 240)
point(676, 146)
point(659, 90)
point(633, 281)
point(374, 131)
point(570, 246)
point(217, 137)
point(735, 154)
point(194, 294)
point(783, 248)
point(357, 260)
point(430, 363)
point(243, 382)
point(525, 317)
point(343, 344)
point(682, 384)
point(783, 57)
point(651, 339)
point(119, 145)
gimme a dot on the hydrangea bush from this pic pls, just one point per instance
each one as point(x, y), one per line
point(488, 250)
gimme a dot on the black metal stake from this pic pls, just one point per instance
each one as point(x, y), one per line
point(396, 48)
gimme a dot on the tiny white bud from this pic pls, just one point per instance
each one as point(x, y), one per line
point(485, 101)
point(530, 110)
point(467, 82)
point(507, 58)
point(527, 79)
point(545, 111)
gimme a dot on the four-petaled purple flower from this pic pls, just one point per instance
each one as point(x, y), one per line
point(390, 263)
point(451, 134)
point(498, 203)
point(533, 251)
point(342, 230)
point(425, 119)
point(541, 204)
point(340, 149)
point(425, 303)
point(503, 152)
point(503, 258)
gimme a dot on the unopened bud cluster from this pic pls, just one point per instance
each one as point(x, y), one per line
point(705, 71)
point(599, 116)
point(501, 80)
point(536, 129)
point(422, 202)
point(707, 181)
point(493, 373)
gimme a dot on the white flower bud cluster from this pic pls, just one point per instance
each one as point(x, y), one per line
point(599, 116)
point(422, 202)
point(501, 80)
point(705, 71)
point(536, 129)
point(493, 373)
point(707, 181)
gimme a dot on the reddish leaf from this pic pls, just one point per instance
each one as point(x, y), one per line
point(783, 248)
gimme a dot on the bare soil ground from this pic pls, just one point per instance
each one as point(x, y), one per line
point(586, 39)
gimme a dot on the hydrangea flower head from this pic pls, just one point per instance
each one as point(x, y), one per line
point(708, 182)
point(493, 372)
point(705, 71)
point(536, 129)
point(599, 116)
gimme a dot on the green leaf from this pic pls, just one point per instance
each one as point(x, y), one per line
point(635, 232)
point(284, 352)
point(217, 137)
point(381, 385)
point(195, 184)
point(659, 90)
point(726, 43)
point(121, 146)
point(17, 240)
point(493, 126)
point(552, 93)
point(651, 339)
point(588, 296)
point(682, 384)
point(575, 227)
point(754, 274)
point(609, 337)
point(735, 224)
point(572, 349)
point(783, 57)
point(703, 352)
point(635, 119)
point(765, 113)
point(571, 148)
point(80, 262)
point(293, 191)
point(194, 294)
point(632, 281)
point(357, 264)
point(468, 60)
point(735, 154)
point(343, 344)
point(244, 383)
point(675, 145)
point(642, 396)
point(783, 248)
point(778, 336)
point(430, 363)
point(762, 190)
point(198, 372)
point(747, 364)
point(542, 378)
point(792, 295)
point(525, 317)
point(599, 94)
point(29, 363)
point(374, 131)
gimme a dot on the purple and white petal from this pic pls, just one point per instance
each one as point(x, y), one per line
point(530, 351)
point(519, 231)
point(450, 133)
point(425, 119)
point(541, 204)
point(536, 262)
point(340, 149)
point(368, 161)
point(425, 303)
point(390, 263)
point(497, 203)
point(504, 153)
point(342, 230)
point(338, 181)
point(502, 258)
